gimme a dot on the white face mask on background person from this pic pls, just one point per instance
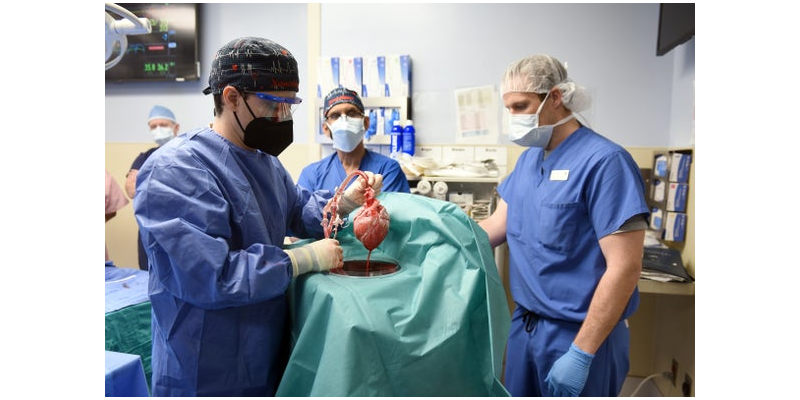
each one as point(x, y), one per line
point(524, 129)
point(347, 133)
point(162, 134)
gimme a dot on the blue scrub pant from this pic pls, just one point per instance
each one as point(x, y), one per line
point(530, 355)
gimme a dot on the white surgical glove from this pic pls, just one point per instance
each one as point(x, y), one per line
point(354, 195)
point(322, 255)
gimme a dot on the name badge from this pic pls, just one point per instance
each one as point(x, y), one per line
point(559, 174)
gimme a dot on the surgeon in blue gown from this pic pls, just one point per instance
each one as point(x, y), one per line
point(213, 206)
point(345, 124)
point(573, 213)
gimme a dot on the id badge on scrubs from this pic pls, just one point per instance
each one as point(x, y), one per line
point(559, 174)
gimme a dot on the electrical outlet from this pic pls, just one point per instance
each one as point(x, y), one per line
point(674, 371)
point(687, 385)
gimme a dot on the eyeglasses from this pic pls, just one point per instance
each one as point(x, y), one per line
point(352, 114)
point(280, 108)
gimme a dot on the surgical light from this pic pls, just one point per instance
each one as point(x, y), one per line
point(117, 31)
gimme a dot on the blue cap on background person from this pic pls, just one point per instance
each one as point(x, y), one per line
point(253, 64)
point(161, 112)
point(342, 95)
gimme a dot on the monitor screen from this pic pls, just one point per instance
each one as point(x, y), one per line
point(675, 26)
point(168, 53)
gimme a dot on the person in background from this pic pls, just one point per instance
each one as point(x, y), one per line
point(573, 212)
point(345, 123)
point(164, 127)
point(213, 206)
point(115, 200)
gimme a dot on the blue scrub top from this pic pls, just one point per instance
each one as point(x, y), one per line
point(213, 218)
point(558, 209)
point(329, 173)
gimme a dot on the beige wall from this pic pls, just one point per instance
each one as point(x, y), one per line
point(122, 230)
point(662, 329)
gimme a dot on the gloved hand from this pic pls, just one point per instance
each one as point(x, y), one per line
point(353, 196)
point(322, 255)
point(568, 374)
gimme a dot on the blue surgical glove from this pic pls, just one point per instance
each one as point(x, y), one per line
point(569, 373)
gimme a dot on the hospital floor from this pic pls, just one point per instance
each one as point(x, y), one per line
point(649, 389)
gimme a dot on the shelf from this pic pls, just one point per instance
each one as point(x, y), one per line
point(656, 287)
point(378, 139)
point(479, 179)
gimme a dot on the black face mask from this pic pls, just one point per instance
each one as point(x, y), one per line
point(268, 136)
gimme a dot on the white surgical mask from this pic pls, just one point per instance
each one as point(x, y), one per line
point(524, 129)
point(162, 134)
point(347, 133)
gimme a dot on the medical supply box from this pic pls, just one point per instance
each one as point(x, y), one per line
point(674, 227)
point(676, 196)
point(660, 166)
point(658, 190)
point(672, 166)
point(656, 218)
point(679, 167)
point(668, 193)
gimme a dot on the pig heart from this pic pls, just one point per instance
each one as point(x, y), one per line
point(371, 224)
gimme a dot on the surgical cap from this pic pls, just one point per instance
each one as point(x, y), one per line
point(342, 95)
point(541, 73)
point(253, 64)
point(161, 112)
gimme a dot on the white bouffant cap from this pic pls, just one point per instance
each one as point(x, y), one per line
point(541, 73)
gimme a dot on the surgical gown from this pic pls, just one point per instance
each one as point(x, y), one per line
point(213, 218)
point(329, 173)
point(558, 209)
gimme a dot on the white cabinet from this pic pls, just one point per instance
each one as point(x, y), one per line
point(476, 196)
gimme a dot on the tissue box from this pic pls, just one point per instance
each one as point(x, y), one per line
point(675, 227)
point(679, 167)
point(676, 196)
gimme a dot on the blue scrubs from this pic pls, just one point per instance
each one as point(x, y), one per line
point(558, 210)
point(329, 173)
point(213, 218)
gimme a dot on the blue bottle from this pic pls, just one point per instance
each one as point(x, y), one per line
point(408, 138)
point(396, 144)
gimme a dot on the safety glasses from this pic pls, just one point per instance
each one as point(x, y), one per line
point(275, 107)
point(349, 115)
